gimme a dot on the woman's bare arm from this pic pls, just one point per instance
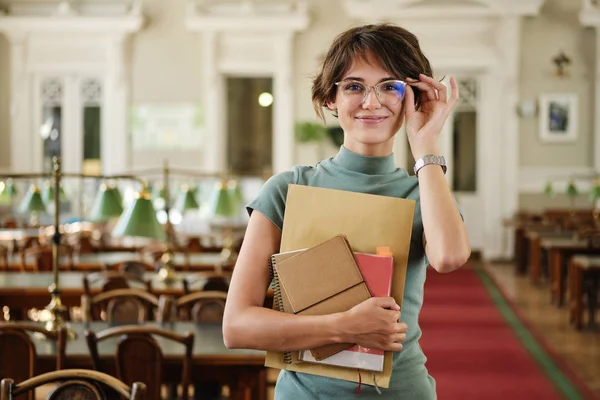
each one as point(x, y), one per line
point(247, 324)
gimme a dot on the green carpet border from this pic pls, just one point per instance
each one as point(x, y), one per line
point(566, 382)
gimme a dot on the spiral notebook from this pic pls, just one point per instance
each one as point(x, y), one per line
point(377, 270)
point(323, 279)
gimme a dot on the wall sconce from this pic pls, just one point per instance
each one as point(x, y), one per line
point(561, 61)
point(527, 108)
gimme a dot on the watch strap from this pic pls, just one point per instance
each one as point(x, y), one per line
point(430, 159)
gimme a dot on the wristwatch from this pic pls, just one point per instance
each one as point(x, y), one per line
point(430, 159)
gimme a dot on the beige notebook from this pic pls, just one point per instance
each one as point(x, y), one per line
point(323, 279)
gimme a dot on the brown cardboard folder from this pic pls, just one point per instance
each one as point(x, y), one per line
point(314, 215)
point(323, 279)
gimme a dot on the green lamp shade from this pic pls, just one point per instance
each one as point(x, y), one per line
point(186, 200)
point(595, 192)
point(548, 189)
point(223, 203)
point(48, 193)
point(7, 192)
point(237, 194)
point(32, 202)
point(117, 195)
point(571, 189)
point(140, 220)
point(107, 205)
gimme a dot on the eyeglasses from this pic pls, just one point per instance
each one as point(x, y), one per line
point(389, 93)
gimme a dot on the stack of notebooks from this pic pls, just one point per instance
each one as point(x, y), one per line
point(330, 278)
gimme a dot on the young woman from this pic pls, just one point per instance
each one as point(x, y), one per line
point(373, 79)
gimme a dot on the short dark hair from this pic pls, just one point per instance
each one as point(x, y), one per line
point(396, 49)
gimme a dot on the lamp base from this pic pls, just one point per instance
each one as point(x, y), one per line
point(167, 272)
point(168, 275)
point(54, 317)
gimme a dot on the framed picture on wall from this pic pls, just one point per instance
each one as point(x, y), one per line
point(558, 117)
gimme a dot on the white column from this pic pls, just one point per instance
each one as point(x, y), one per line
point(597, 105)
point(509, 39)
point(21, 134)
point(115, 131)
point(490, 161)
point(283, 106)
point(215, 137)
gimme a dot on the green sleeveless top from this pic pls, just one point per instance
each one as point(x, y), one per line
point(375, 175)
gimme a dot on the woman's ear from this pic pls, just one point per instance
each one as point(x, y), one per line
point(331, 105)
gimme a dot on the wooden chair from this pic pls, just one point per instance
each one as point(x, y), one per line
point(134, 267)
point(204, 306)
point(4, 258)
point(139, 357)
point(119, 306)
point(111, 280)
point(200, 307)
point(193, 245)
point(17, 345)
point(207, 280)
point(74, 384)
point(43, 257)
point(83, 243)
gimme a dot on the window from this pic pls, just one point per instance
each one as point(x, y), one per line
point(91, 96)
point(50, 130)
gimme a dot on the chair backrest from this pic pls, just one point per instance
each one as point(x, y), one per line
point(113, 280)
point(43, 256)
point(16, 345)
point(204, 306)
point(193, 245)
point(137, 268)
point(121, 305)
point(83, 243)
point(73, 384)
point(3, 258)
point(139, 357)
point(207, 280)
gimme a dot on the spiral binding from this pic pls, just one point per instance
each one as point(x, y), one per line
point(278, 301)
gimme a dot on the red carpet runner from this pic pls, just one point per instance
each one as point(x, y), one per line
point(472, 352)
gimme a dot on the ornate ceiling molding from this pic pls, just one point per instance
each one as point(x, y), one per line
point(110, 19)
point(447, 9)
point(247, 16)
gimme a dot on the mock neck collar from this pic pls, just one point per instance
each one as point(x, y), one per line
point(370, 165)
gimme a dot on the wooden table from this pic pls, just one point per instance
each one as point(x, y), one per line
point(99, 261)
point(242, 370)
point(558, 251)
point(583, 267)
point(535, 250)
point(20, 291)
point(28, 290)
point(7, 235)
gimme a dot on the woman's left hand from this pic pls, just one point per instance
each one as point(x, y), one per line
point(424, 126)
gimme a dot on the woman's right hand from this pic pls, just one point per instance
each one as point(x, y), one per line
point(374, 324)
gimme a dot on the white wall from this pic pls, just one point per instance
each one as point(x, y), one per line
point(4, 105)
point(166, 62)
point(557, 28)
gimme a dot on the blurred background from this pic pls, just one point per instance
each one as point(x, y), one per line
point(193, 104)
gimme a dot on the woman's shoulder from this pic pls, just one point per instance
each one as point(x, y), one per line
point(292, 176)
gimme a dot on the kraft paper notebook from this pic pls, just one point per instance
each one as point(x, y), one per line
point(323, 279)
point(377, 271)
point(313, 215)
